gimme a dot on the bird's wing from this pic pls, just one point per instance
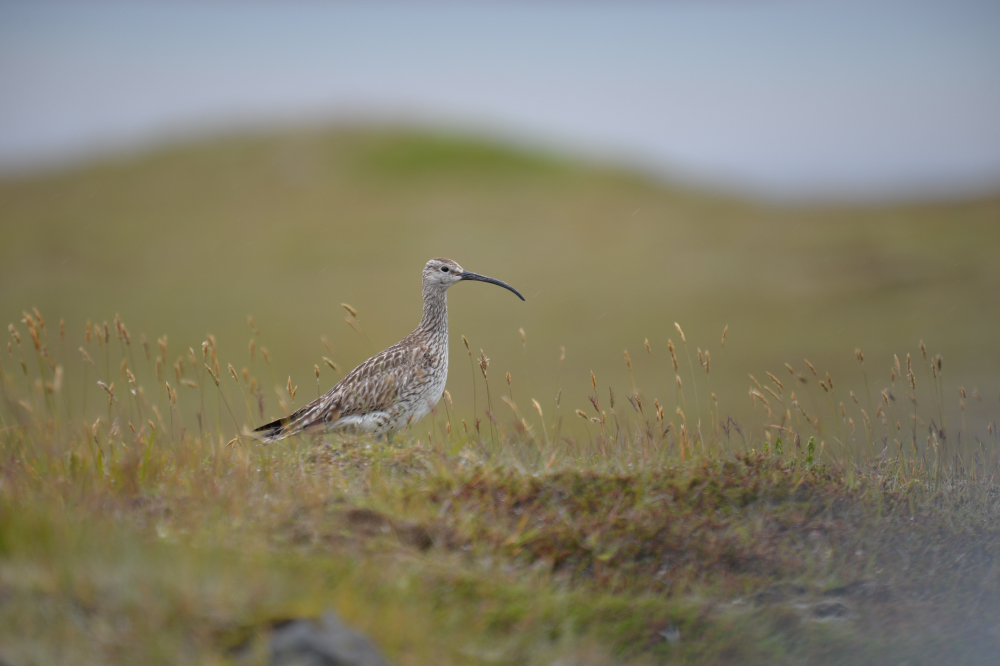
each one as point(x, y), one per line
point(373, 386)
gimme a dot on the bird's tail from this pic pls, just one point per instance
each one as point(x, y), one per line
point(274, 431)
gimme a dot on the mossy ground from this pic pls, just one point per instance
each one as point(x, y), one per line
point(480, 553)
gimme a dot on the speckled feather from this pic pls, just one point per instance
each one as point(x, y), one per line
point(396, 387)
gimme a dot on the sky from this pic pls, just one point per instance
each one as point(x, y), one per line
point(803, 100)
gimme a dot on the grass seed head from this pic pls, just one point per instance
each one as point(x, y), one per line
point(628, 361)
point(816, 374)
point(110, 389)
point(781, 387)
point(350, 310)
point(484, 362)
point(524, 338)
point(680, 332)
point(724, 331)
point(538, 408)
point(648, 350)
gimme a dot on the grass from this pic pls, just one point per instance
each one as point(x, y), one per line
point(707, 496)
point(640, 539)
point(191, 239)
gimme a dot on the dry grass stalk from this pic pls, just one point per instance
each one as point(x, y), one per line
point(777, 382)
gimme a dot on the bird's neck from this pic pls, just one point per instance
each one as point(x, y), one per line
point(435, 319)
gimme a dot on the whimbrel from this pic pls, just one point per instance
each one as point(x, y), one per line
point(397, 386)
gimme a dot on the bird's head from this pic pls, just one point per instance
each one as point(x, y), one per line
point(442, 273)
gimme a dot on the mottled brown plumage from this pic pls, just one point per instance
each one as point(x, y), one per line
point(397, 386)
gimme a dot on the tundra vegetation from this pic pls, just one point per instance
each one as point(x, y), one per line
point(580, 506)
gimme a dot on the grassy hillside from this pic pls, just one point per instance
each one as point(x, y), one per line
point(636, 492)
point(124, 541)
point(191, 240)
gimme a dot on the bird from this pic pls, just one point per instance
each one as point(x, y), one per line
point(399, 385)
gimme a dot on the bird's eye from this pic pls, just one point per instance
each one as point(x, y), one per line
point(444, 269)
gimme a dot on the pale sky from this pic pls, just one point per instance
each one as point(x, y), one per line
point(787, 99)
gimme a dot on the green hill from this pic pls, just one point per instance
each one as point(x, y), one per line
point(191, 239)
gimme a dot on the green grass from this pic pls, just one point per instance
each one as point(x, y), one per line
point(191, 239)
point(123, 541)
point(844, 516)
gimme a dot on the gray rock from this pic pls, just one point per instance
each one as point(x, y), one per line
point(326, 642)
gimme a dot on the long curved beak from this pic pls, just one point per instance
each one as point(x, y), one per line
point(468, 275)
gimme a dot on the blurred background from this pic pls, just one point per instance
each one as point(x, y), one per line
point(818, 177)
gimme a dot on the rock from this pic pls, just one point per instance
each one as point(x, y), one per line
point(326, 642)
